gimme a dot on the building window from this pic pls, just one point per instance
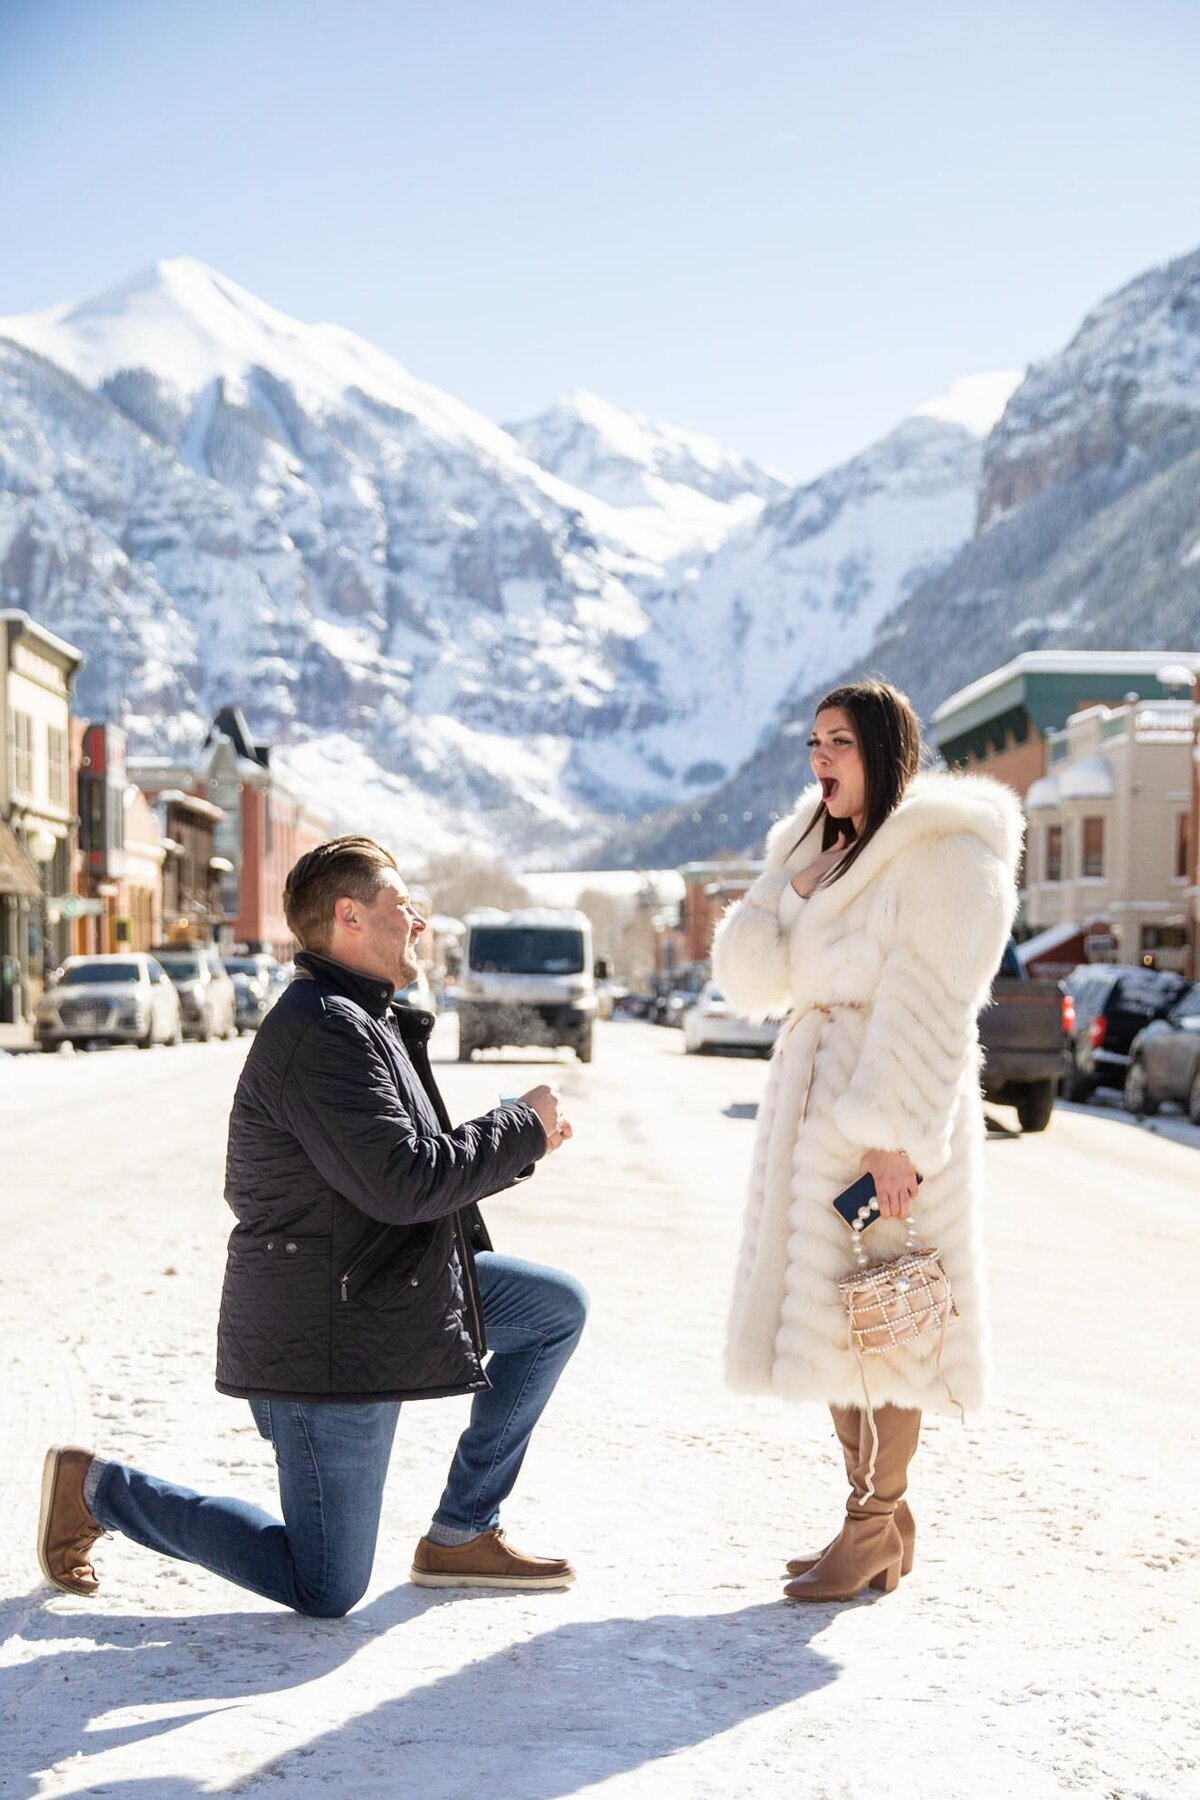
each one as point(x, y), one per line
point(1163, 937)
point(1093, 847)
point(56, 752)
point(1183, 847)
point(1054, 853)
point(21, 761)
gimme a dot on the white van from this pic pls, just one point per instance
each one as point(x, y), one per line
point(527, 978)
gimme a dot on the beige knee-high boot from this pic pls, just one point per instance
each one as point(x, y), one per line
point(868, 1552)
point(854, 1436)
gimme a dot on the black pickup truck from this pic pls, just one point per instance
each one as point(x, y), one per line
point(1021, 1031)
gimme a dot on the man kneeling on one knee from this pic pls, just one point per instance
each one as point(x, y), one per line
point(359, 1275)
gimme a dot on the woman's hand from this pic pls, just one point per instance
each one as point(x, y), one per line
point(806, 880)
point(895, 1181)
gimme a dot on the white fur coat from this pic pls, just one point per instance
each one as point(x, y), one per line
point(882, 975)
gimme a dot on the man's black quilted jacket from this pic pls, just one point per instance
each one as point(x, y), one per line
point(350, 1273)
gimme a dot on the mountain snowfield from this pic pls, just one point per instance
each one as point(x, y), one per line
point(533, 639)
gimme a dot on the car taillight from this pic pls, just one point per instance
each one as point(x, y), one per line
point(1097, 1031)
point(1068, 1013)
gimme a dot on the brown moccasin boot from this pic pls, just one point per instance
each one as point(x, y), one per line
point(487, 1561)
point(66, 1528)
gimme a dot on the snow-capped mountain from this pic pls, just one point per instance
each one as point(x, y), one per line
point(788, 600)
point(1088, 537)
point(677, 493)
point(501, 634)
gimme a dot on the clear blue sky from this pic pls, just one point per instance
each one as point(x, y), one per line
point(779, 222)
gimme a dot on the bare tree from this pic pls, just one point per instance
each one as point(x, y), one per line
point(458, 881)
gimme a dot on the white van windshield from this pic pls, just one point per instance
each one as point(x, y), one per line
point(522, 950)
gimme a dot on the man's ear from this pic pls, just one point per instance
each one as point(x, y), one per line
point(345, 911)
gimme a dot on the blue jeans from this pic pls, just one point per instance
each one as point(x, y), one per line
point(332, 1461)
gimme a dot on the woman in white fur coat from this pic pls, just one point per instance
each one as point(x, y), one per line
point(877, 926)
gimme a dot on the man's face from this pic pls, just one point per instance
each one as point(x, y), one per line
point(390, 927)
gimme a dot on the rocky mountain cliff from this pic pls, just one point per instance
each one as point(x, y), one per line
point(1087, 536)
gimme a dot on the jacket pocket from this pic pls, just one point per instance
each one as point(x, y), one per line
point(390, 1264)
point(275, 1312)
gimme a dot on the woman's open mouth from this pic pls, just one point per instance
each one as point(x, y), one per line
point(828, 788)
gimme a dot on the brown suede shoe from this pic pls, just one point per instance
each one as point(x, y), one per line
point(66, 1529)
point(487, 1561)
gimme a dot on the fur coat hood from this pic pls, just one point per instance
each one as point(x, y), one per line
point(882, 974)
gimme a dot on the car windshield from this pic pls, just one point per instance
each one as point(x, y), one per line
point(715, 994)
point(242, 965)
point(180, 968)
point(1146, 992)
point(92, 973)
point(526, 950)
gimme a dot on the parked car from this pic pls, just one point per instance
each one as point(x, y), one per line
point(206, 994)
point(109, 999)
point(257, 984)
point(634, 1006)
point(1164, 1060)
point(1022, 1031)
point(712, 1024)
point(1112, 1004)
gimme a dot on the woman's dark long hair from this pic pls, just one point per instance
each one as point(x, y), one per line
point(889, 741)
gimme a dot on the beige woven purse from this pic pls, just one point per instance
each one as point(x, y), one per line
point(893, 1303)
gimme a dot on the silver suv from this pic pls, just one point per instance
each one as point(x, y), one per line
point(205, 991)
point(109, 999)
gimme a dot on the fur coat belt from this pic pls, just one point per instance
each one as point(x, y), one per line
point(881, 974)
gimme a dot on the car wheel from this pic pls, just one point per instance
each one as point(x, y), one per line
point(176, 1036)
point(1075, 1086)
point(583, 1047)
point(1193, 1104)
point(1136, 1096)
point(147, 1043)
point(466, 1048)
point(1035, 1104)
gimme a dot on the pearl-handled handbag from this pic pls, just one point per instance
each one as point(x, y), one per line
point(892, 1303)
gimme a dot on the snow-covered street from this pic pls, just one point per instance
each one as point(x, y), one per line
point(1047, 1642)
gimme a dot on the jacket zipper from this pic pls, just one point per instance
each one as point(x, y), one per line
point(368, 1248)
point(468, 1269)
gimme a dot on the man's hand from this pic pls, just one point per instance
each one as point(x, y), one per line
point(546, 1104)
point(895, 1181)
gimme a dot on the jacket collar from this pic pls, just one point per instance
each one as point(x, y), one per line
point(367, 991)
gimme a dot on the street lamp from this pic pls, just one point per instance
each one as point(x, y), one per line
point(42, 847)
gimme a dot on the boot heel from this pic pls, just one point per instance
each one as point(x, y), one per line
point(888, 1580)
